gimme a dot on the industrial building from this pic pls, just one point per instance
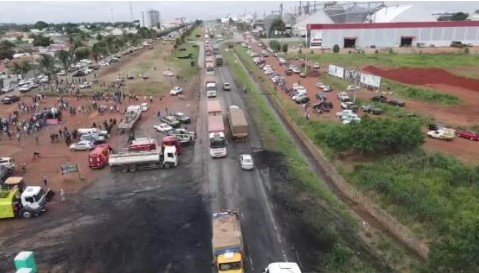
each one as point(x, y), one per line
point(150, 19)
point(394, 34)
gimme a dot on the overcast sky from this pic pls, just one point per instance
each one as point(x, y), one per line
point(84, 11)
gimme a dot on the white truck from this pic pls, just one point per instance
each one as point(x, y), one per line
point(132, 115)
point(227, 242)
point(282, 267)
point(131, 161)
point(211, 89)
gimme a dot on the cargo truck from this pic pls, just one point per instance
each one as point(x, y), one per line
point(131, 161)
point(282, 267)
point(219, 60)
point(216, 136)
point(238, 123)
point(18, 200)
point(227, 242)
point(211, 89)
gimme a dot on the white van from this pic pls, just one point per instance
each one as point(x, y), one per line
point(282, 268)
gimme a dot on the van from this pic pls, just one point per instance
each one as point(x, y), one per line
point(98, 158)
point(7, 162)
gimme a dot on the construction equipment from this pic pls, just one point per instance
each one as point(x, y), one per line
point(227, 241)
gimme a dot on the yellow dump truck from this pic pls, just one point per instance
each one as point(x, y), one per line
point(227, 242)
point(17, 200)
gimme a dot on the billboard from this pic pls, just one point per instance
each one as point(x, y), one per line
point(316, 38)
point(370, 80)
point(336, 71)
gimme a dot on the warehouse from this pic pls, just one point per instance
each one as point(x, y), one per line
point(392, 34)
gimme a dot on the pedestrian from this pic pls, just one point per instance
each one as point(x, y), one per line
point(36, 154)
point(60, 133)
point(36, 140)
point(166, 110)
point(45, 182)
point(159, 114)
point(151, 99)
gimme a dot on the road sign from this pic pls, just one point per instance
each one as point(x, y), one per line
point(69, 168)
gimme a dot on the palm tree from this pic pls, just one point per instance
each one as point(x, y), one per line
point(66, 59)
point(25, 66)
point(47, 63)
point(98, 49)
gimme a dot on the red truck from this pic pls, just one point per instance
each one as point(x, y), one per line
point(98, 158)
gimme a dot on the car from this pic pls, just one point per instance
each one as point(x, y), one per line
point(343, 114)
point(442, 133)
point(288, 72)
point(380, 98)
point(62, 73)
point(399, 103)
point(320, 85)
point(295, 70)
point(323, 105)
point(130, 76)
point(22, 82)
point(182, 117)
point(103, 63)
point(86, 85)
point(327, 88)
point(343, 96)
point(468, 135)
point(94, 137)
point(226, 86)
point(10, 99)
point(176, 91)
point(44, 79)
point(372, 109)
point(82, 145)
point(79, 73)
point(163, 127)
point(168, 73)
point(8, 88)
point(351, 119)
point(346, 104)
point(302, 75)
point(352, 88)
point(282, 61)
point(25, 88)
point(321, 96)
point(144, 107)
point(171, 120)
point(246, 161)
point(301, 99)
point(183, 131)
point(316, 66)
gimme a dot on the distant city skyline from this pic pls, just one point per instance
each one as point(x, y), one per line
point(77, 12)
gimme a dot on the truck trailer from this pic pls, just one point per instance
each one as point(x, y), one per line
point(216, 136)
point(227, 242)
point(127, 160)
point(238, 123)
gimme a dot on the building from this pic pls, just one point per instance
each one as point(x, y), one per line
point(150, 19)
point(392, 34)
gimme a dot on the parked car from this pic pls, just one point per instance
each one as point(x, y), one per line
point(82, 145)
point(352, 88)
point(327, 88)
point(94, 137)
point(321, 96)
point(442, 133)
point(288, 72)
point(25, 88)
point(130, 76)
point(372, 109)
point(183, 131)
point(320, 85)
point(10, 99)
point(343, 96)
point(144, 107)
point(302, 75)
point(163, 127)
point(176, 91)
point(246, 161)
point(399, 103)
point(351, 119)
point(171, 120)
point(226, 86)
point(323, 106)
point(468, 135)
point(380, 98)
point(79, 73)
point(62, 73)
point(86, 85)
point(316, 66)
point(301, 99)
point(182, 117)
point(8, 88)
point(343, 114)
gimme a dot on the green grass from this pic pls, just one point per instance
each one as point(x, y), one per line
point(422, 94)
point(356, 60)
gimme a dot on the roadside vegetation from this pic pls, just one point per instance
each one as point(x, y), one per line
point(332, 230)
point(422, 94)
point(434, 194)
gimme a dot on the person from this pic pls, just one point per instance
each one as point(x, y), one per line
point(36, 154)
point(159, 114)
point(24, 167)
point(44, 178)
point(36, 140)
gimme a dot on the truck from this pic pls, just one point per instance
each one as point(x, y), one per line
point(219, 60)
point(282, 267)
point(18, 200)
point(211, 89)
point(238, 123)
point(131, 161)
point(227, 242)
point(216, 136)
point(213, 107)
point(132, 115)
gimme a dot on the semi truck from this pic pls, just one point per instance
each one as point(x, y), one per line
point(227, 242)
point(132, 115)
point(131, 161)
point(211, 89)
point(216, 129)
point(213, 107)
point(238, 123)
point(219, 60)
point(18, 200)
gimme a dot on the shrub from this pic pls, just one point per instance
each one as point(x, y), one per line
point(466, 50)
point(285, 48)
point(275, 45)
point(336, 48)
point(391, 51)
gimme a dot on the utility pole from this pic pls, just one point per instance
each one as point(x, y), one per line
point(112, 17)
point(131, 13)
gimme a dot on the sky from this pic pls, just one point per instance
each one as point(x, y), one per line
point(108, 11)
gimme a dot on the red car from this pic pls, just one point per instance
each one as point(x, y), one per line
point(468, 135)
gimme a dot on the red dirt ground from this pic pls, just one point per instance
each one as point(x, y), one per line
point(423, 76)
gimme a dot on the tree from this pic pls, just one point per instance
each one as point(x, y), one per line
point(6, 49)
point(82, 53)
point(99, 49)
point(275, 45)
point(40, 25)
point(336, 48)
point(459, 16)
point(65, 58)
point(40, 40)
point(285, 48)
point(25, 66)
point(47, 63)
point(277, 26)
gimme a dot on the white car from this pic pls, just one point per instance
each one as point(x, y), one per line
point(282, 61)
point(343, 96)
point(25, 88)
point(226, 86)
point(82, 145)
point(345, 113)
point(352, 88)
point(61, 73)
point(316, 66)
point(176, 91)
point(346, 104)
point(163, 127)
point(246, 162)
point(103, 64)
point(44, 79)
point(327, 88)
point(351, 119)
point(85, 85)
point(168, 73)
point(7, 89)
point(144, 107)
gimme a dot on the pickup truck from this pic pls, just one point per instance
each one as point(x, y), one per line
point(442, 133)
